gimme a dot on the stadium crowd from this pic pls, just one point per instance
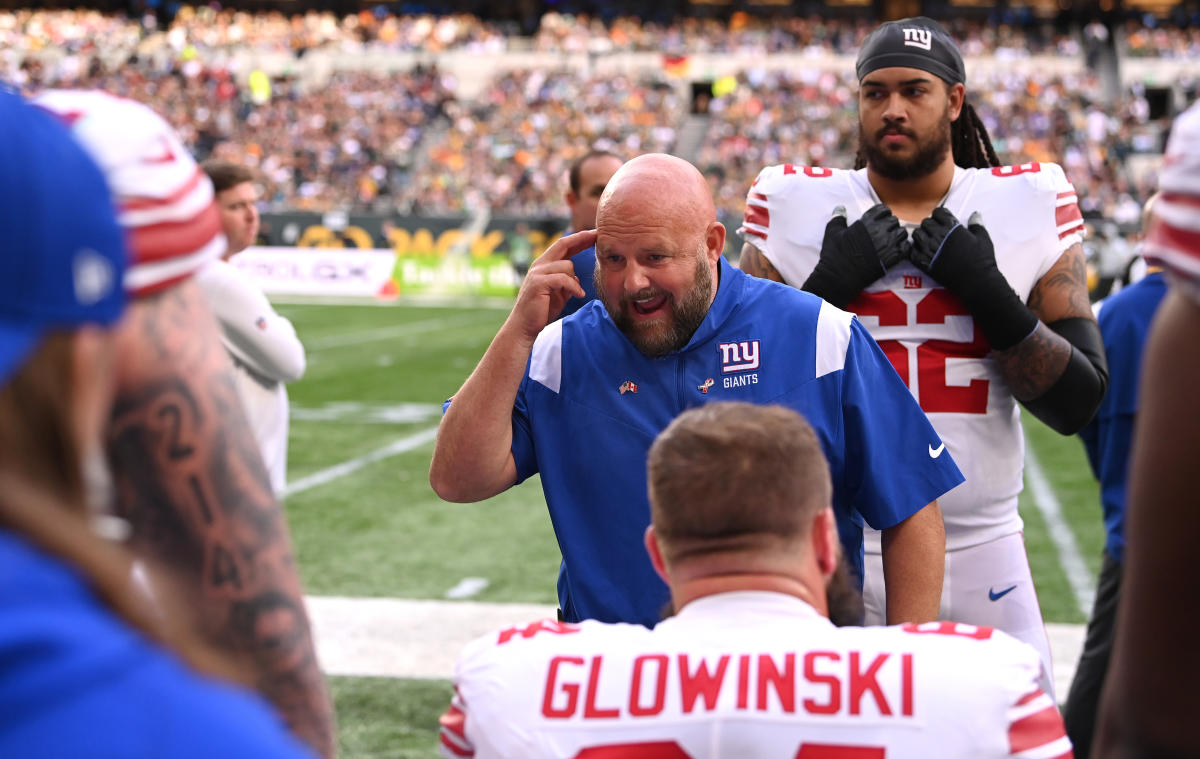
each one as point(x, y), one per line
point(407, 141)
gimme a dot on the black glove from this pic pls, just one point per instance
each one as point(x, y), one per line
point(963, 260)
point(854, 256)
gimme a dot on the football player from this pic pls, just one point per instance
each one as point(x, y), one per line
point(189, 477)
point(750, 665)
point(971, 277)
point(1150, 699)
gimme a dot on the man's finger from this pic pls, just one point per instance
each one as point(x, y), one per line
point(565, 282)
point(569, 245)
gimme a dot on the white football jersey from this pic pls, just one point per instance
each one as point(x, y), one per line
point(750, 674)
point(1173, 239)
point(164, 200)
point(1031, 214)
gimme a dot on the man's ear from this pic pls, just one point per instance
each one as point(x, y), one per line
point(958, 95)
point(714, 241)
point(825, 542)
point(656, 558)
point(572, 199)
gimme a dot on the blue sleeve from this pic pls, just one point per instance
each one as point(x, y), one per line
point(524, 453)
point(895, 462)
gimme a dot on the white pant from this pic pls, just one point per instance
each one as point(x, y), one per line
point(987, 585)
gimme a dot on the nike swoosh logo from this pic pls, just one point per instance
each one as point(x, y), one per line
point(935, 452)
point(994, 596)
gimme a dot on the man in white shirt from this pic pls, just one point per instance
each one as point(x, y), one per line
point(743, 532)
point(264, 347)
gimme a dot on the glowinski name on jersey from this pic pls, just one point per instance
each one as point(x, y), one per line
point(708, 683)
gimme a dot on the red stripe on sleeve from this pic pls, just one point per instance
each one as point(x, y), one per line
point(1181, 199)
point(1029, 697)
point(455, 721)
point(1038, 729)
point(1182, 240)
point(758, 196)
point(456, 750)
point(1068, 213)
point(758, 215)
point(1072, 230)
point(158, 242)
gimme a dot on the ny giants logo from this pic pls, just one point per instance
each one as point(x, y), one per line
point(912, 282)
point(740, 356)
point(918, 37)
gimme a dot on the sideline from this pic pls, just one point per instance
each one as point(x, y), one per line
point(1078, 575)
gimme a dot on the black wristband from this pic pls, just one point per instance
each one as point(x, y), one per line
point(999, 312)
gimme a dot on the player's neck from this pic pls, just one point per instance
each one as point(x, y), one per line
point(683, 593)
point(914, 199)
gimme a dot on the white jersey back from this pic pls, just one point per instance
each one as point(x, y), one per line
point(1031, 214)
point(164, 200)
point(1173, 239)
point(750, 674)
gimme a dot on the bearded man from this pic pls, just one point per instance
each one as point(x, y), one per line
point(580, 400)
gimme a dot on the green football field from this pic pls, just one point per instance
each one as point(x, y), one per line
point(366, 523)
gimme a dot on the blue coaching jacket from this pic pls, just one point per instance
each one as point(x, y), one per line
point(591, 404)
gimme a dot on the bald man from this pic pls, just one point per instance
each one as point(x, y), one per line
point(580, 400)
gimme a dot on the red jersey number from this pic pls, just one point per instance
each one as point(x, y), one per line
point(816, 172)
point(934, 394)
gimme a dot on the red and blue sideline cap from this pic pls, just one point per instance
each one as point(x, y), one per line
point(915, 43)
point(63, 255)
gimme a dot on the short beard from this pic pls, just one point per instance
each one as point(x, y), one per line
point(929, 156)
point(687, 314)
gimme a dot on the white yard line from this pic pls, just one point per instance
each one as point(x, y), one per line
point(467, 587)
point(395, 330)
point(1078, 574)
point(392, 637)
point(395, 448)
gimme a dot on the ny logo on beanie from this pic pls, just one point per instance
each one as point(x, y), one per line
point(916, 36)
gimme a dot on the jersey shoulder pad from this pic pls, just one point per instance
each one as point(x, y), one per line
point(1040, 176)
point(784, 177)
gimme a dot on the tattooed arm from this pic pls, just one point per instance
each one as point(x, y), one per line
point(192, 483)
point(1059, 372)
point(754, 263)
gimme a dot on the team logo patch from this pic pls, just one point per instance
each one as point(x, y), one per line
point(628, 386)
point(918, 37)
point(740, 356)
point(912, 282)
point(704, 387)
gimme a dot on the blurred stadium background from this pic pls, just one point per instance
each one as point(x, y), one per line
point(401, 145)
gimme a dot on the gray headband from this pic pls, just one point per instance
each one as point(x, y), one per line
point(917, 43)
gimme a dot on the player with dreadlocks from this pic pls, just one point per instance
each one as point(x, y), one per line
point(970, 275)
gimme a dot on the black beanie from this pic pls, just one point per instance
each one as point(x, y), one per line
point(917, 43)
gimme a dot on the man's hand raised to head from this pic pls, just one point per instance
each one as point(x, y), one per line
point(550, 283)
